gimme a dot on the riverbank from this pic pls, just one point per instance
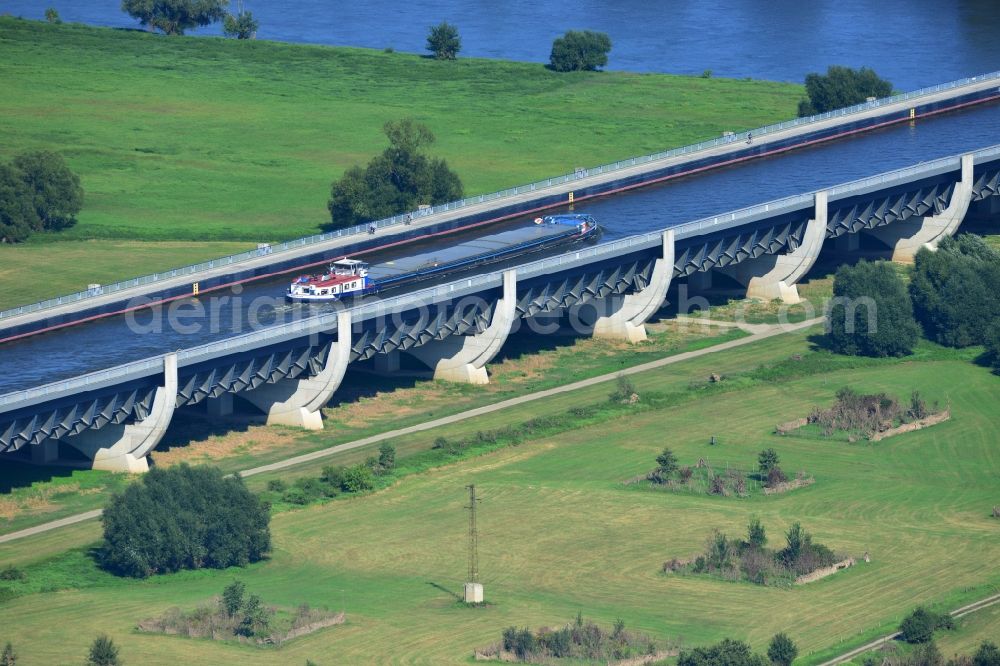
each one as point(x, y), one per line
point(202, 139)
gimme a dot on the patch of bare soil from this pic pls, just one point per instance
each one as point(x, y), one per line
point(825, 571)
point(933, 419)
point(787, 486)
point(255, 438)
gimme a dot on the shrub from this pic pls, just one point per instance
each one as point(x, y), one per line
point(919, 626)
point(871, 313)
point(241, 25)
point(183, 518)
point(729, 652)
point(277, 486)
point(333, 477)
point(954, 291)
point(756, 535)
point(37, 192)
point(232, 598)
point(10, 572)
point(840, 87)
point(444, 41)
point(399, 179)
point(52, 16)
point(782, 651)
point(624, 390)
point(988, 654)
point(666, 466)
point(386, 457)
point(576, 50)
point(775, 477)
point(103, 652)
point(767, 459)
point(8, 657)
point(992, 344)
point(357, 479)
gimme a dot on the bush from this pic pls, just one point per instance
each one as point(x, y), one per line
point(871, 313)
point(992, 355)
point(183, 518)
point(767, 459)
point(398, 180)
point(666, 466)
point(277, 486)
point(727, 653)
point(987, 655)
point(954, 292)
point(241, 25)
point(37, 192)
point(10, 572)
point(576, 50)
point(444, 41)
point(357, 479)
point(919, 626)
point(103, 652)
point(52, 16)
point(782, 651)
point(774, 477)
point(8, 657)
point(840, 87)
point(624, 390)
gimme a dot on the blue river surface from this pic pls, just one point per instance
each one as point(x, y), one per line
point(49, 357)
point(913, 43)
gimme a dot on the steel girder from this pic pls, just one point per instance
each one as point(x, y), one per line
point(561, 292)
point(732, 247)
point(413, 328)
point(92, 412)
point(880, 209)
point(247, 373)
point(986, 185)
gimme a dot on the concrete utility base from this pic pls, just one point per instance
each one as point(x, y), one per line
point(473, 593)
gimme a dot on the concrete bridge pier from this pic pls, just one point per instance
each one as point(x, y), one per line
point(624, 317)
point(123, 448)
point(774, 276)
point(908, 236)
point(297, 402)
point(463, 358)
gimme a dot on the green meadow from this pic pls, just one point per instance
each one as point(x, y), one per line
point(561, 534)
point(213, 140)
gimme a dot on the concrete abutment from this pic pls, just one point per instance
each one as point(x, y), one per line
point(297, 402)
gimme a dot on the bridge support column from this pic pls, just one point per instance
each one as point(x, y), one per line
point(908, 236)
point(221, 406)
point(847, 243)
point(463, 358)
point(45, 453)
point(297, 402)
point(386, 363)
point(775, 276)
point(123, 448)
point(624, 317)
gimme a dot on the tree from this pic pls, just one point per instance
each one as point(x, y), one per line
point(954, 291)
point(840, 87)
point(232, 598)
point(443, 41)
point(17, 216)
point(666, 466)
point(386, 457)
point(52, 16)
point(782, 651)
point(241, 25)
point(729, 652)
point(173, 17)
point(256, 619)
point(103, 652)
point(767, 459)
point(580, 50)
point(756, 535)
point(871, 313)
point(918, 626)
point(988, 654)
point(993, 346)
point(54, 191)
point(183, 518)
point(358, 478)
point(399, 179)
point(8, 657)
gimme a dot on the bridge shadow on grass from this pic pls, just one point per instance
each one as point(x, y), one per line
point(15, 474)
point(364, 382)
point(191, 424)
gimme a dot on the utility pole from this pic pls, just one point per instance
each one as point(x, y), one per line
point(473, 588)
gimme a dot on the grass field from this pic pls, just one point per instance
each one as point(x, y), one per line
point(221, 140)
point(560, 534)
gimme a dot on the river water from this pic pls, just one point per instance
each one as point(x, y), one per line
point(913, 43)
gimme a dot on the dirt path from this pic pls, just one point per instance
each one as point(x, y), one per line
point(768, 332)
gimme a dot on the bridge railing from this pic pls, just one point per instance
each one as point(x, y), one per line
point(541, 185)
point(374, 308)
